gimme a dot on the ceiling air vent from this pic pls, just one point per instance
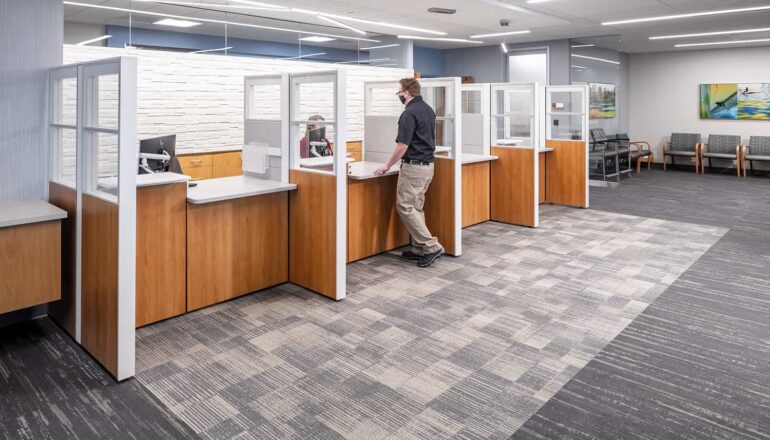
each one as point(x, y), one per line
point(442, 11)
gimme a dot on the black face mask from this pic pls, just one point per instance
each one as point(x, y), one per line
point(402, 99)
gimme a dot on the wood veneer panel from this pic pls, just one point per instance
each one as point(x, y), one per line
point(312, 232)
point(373, 222)
point(475, 193)
point(99, 289)
point(565, 169)
point(541, 177)
point(161, 252)
point(63, 311)
point(236, 247)
point(355, 149)
point(440, 204)
point(513, 186)
point(227, 164)
point(30, 265)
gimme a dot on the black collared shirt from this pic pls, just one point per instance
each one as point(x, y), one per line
point(417, 130)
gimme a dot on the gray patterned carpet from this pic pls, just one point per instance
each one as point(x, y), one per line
point(696, 363)
point(470, 348)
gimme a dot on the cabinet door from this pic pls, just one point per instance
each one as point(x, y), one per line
point(228, 164)
point(198, 166)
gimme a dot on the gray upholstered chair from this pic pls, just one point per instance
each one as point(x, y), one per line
point(722, 146)
point(758, 149)
point(640, 151)
point(682, 145)
point(601, 154)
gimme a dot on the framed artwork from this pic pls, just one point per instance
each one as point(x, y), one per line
point(744, 101)
point(602, 101)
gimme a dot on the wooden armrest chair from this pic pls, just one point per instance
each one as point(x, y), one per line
point(641, 151)
point(722, 146)
point(682, 145)
point(758, 149)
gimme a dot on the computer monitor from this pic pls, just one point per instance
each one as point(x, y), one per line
point(317, 134)
point(157, 146)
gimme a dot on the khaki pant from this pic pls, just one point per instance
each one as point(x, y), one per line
point(413, 182)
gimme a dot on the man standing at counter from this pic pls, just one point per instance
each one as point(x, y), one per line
point(415, 148)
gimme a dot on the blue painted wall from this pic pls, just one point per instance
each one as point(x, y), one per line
point(191, 42)
point(429, 62)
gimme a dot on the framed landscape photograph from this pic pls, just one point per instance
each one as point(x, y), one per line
point(602, 101)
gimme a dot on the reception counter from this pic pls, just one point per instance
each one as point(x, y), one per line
point(30, 254)
point(237, 238)
point(476, 188)
point(373, 222)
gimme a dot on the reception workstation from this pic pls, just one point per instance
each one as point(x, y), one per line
point(293, 206)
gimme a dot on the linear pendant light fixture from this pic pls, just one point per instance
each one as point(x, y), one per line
point(452, 40)
point(709, 34)
point(341, 24)
point(690, 15)
point(209, 20)
point(505, 48)
point(304, 56)
point(213, 50)
point(379, 47)
point(500, 34)
point(596, 59)
point(93, 40)
point(717, 43)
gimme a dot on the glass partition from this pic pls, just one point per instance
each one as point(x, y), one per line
point(475, 119)
point(443, 95)
point(382, 109)
point(598, 63)
point(265, 135)
point(63, 90)
point(566, 113)
point(313, 133)
point(514, 120)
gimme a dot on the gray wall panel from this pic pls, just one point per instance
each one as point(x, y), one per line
point(30, 43)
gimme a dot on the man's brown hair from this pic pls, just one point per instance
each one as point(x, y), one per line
point(410, 85)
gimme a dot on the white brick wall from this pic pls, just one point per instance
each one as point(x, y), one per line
point(200, 97)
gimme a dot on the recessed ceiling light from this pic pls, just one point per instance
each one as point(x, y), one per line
point(500, 34)
point(210, 20)
point(596, 59)
point(339, 23)
point(505, 48)
point(579, 67)
point(379, 47)
point(317, 39)
point(537, 1)
point(715, 43)
point(177, 23)
point(583, 45)
point(690, 15)
point(453, 40)
point(93, 40)
point(213, 50)
point(708, 34)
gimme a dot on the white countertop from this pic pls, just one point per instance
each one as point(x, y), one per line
point(29, 211)
point(545, 150)
point(365, 170)
point(314, 162)
point(160, 179)
point(442, 149)
point(235, 187)
point(474, 158)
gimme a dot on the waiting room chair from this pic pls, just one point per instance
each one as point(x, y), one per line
point(639, 151)
point(721, 146)
point(682, 145)
point(758, 149)
point(602, 154)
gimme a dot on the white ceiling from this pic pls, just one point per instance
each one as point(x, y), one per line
point(553, 19)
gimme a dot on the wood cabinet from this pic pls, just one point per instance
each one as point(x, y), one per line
point(227, 164)
point(197, 166)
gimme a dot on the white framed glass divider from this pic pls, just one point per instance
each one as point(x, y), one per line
point(475, 119)
point(318, 208)
point(444, 220)
point(104, 193)
point(266, 126)
point(515, 132)
point(566, 121)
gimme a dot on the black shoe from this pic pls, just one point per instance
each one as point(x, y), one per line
point(410, 256)
point(431, 258)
